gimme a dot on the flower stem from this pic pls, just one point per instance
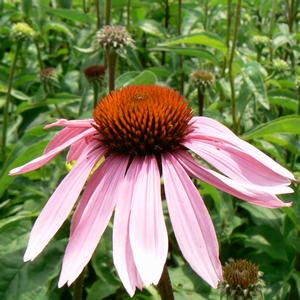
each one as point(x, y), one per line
point(165, 286)
point(128, 14)
point(201, 92)
point(95, 90)
point(78, 286)
point(97, 7)
point(108, 12)
point(273, 14)
point(167, 17)
point(8, 95)
point(179, 23)
point(112, 61)
point(230, 63)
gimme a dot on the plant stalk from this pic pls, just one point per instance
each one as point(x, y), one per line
point(230, 64)
point(112, 62)
point(108, 12)
point(97, 7)
point(8, 95)
point(128, 14)
point(167, 17)
point(201, 93)
point(95, 90)
point(165, 286)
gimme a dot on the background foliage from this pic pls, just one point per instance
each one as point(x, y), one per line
point(266, 87)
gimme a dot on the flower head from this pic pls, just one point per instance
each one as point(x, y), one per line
point(94, 72)
point(261, 40)
point(22, 31)
point(280, 64)
point(202, 78)
point(147, 133)
point(242, 279)
point(114, 36)
point(49, 75)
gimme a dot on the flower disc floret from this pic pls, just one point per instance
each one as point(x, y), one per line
point(202, 78)
point(94, 72)
point(139, 120)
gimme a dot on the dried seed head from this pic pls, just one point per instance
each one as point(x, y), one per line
point(22, 31)
point(49, 75)
point(202, 78)
point(242, 279)
point(114, 36)
point(261, 40)
point(94, 73)
point(140, 120)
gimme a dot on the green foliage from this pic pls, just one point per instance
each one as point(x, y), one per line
point(266, 87)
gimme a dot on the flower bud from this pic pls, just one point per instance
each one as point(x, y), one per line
point(202, 78)
point(94, 73)
point(22, 31)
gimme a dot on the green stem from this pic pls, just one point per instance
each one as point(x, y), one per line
point(229, 13)
point(84, 6)
point(112, 62)
point(201, 92)
point(179, 23)
point(165, 286)
point(167, 16)
point(128, 14)
point(97, 7)
point(273, 14)
point(230, 63)
point(78, 286)
point(205, 15)
point(95, 90)
point(8, 95)
point(39, 55)
point(108, 12)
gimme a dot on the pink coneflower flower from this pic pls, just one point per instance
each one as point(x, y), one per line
point(147, 133)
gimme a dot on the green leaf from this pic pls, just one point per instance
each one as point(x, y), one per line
point(189, 51)
point(152, 27)
point(203, 38)
point(70, 14)
point(59, 27)
point(136, 78)
point(288, 124)
point(29, 281)
point(101, 289)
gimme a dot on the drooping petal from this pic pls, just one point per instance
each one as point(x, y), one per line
point(76, 149)
point(63, 136)
point(84, 240)
point(192, 224)
point(235, 188)
point(206, 128)
point(147, 229)
point(85, 123)
point(122, 252)
point(239, 166)
point(61, 203)
point(42, 160)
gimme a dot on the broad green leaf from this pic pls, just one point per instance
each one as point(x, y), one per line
point(70, 14)
point(152, 27)
point(284, 102)
point(59, 27)
point(287, 124)
point(101, 289)
point(29, 281)
point(144, 78)
point(203, 38)
point(189, 51)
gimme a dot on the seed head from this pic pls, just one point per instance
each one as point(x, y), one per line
point(22, 31)
point(114, 36)
point(242, 279)
point(49, 75)
point(94, 73)
point(261, 40)
point(202, 78)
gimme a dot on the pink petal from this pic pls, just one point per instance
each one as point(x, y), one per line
point(63, 136)
point(86, 123)
point(192, 224)
point(61, 203)
point(42, 160)
point(209, 129)
point(76, 149)
point(147, 229)
point(122, 252)
point(239, 166)
point(84, 240)
point(235, 188)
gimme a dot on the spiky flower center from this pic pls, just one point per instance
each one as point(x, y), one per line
point(241, 273)
point(94, 72)
point(139, 120)
point(202, 77)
